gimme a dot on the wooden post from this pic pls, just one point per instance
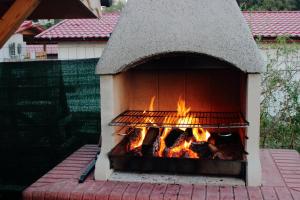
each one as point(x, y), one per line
point(14, 17)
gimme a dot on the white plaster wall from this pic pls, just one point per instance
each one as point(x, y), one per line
point(80, 50)
point(4, 51)
point(114, 100)
point(253, 173)
point(270, 51)
point(121, 1)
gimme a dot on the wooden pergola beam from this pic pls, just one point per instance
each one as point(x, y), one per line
point(14, 17)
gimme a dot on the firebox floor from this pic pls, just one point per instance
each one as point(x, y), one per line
point(280, 181)
point(175, 179)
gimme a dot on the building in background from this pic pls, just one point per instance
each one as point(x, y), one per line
point(267, 26)
point(13, 49)
point(22, 46)
point(270, 26)
point(80, 38)
point(86, 38)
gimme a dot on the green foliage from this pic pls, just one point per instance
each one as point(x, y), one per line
point(50, 24)
point(269, 4)
point(280, 103)
point(114, 8)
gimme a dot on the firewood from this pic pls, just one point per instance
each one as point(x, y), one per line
point(173, 136)
point(156, 145)
point(180, 140)
point(133, 137)
point(151, 136)
point(147, 147)
point(202, 149)
point(136, 152)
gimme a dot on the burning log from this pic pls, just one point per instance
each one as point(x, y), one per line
point(151, 136)
point(175, 150)
point(149, 141)
point(180, 140)
point(173, 137)
point(140, 140)
point(181, 148)
point(202, 149)
point(136, 152)
point(158, 145)
point(133, 140)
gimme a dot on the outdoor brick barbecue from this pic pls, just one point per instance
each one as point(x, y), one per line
point(180, 89)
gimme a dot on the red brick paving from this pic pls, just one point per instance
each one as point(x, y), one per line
point(185, 192)
point(199, 192)
point(145, 191)
point(158, 192)
point(226, 193)
point(280, 169)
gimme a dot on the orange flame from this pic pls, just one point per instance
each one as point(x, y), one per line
point(182, 111)
point(183, 149)
point(162, 144)
point(201, 136)
point(139, 141)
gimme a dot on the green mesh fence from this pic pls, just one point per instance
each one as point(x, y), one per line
point(47, 110)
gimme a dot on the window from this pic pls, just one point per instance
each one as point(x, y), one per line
point(12, 49)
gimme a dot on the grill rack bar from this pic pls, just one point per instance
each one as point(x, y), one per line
point(134, 118)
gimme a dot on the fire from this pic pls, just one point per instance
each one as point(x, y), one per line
point(201, 136)
point(182, 111)
point(139, 140)
point(162, 144)
point(162, 141)
point(182, 149)
point(182, 146)
point(181, 108)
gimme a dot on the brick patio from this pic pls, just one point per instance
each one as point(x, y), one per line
point(280, 168)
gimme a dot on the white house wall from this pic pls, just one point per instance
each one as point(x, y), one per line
point(80, 50)
point(270, 52)
point(281, 62)
point(4, 51)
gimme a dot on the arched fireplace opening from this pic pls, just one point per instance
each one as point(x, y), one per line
point(181, 113)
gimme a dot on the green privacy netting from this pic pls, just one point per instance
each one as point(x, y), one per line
point(47, 109)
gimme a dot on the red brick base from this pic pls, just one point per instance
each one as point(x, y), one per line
point(280, 168)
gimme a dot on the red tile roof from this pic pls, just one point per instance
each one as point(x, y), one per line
point(274, 23)
point(82, 29)
point(262, 23)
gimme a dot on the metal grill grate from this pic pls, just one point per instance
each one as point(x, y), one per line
point(170, 119)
